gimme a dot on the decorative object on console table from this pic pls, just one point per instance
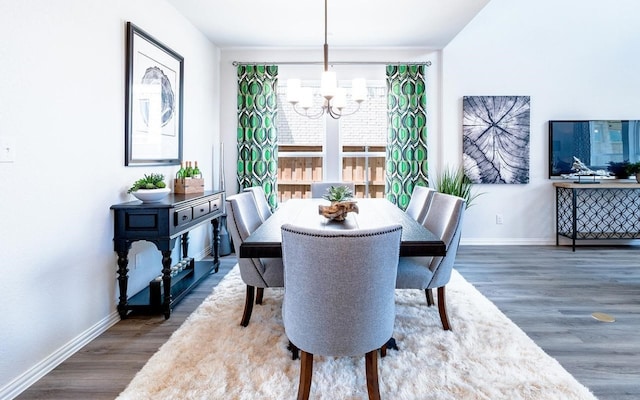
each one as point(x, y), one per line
point(188, 185)
point(187, 182)
point(149, 189)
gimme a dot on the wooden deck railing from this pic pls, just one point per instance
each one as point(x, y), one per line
point(298, 166)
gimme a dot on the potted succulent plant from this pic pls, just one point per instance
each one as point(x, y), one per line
point(341, 203)
point(150, 188)
point(336, 194)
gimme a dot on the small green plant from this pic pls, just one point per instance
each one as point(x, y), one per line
point(151, 181)
point(454, 181)
point(633, 168)
point(338, 193)
point(619, 169)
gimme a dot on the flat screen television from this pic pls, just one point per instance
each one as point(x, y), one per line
point(599, 144)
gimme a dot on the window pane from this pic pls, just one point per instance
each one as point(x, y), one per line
point(300, 150)
point(357, 151)
point(363, 142)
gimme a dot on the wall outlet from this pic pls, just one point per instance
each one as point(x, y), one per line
point(499, 219)
point(7, 149)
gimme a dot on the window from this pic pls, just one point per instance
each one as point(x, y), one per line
point(350, 149)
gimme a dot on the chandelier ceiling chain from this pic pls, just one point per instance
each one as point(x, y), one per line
point(335, 98)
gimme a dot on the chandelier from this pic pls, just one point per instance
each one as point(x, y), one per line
point(335, 98)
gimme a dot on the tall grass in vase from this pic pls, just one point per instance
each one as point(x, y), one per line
point(454, 181)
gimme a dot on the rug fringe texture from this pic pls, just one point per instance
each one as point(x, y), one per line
point(485, 356)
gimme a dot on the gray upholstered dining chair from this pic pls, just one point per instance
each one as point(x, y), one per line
point(421, 197)
point(242, 219)
point(444, 219)
point(339, 295)
point(261, 201)
point(319, 189)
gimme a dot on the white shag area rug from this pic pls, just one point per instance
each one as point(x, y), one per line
point(485, 356)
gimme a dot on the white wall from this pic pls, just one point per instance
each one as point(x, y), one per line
point(577, 59)
point(62, 98)
point(62, 69)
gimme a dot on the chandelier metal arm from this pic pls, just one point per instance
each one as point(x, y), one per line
point(306, 112)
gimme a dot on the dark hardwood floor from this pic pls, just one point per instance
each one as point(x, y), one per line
point(550, 292)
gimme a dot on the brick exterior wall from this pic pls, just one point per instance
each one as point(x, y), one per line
point(366, 127)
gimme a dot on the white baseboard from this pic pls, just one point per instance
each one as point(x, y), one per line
point(507, 242)
point(31, 376)
point(543, 242)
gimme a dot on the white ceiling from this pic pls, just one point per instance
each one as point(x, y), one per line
point(367, 24)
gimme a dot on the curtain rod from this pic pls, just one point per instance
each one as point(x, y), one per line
point(427, 63)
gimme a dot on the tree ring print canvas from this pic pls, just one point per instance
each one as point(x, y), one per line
point(495, 138)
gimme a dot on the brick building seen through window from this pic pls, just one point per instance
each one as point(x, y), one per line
point(350, 149)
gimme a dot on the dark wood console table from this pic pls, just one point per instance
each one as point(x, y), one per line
point(162, 223)
point(607, 210)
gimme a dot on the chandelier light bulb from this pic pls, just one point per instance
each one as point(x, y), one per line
point(293, 90)
point(328, 84)
point(359, 90)
point(306, 98)
point(340, 100)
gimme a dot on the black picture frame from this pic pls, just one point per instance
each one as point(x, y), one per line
point(153, 101)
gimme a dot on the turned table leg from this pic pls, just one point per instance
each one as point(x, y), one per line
point(166, 281)
point(123, 278)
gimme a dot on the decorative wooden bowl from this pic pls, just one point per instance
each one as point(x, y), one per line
point(338, 211)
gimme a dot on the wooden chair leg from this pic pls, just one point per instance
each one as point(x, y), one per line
point(429, 295)
point(306, 371)
point(371, 366)
point(383, 351)
point(248, 306)
point(442, 308)
point(259, 294)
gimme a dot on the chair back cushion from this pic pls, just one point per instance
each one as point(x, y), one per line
point(242, 219)
point(419, 203)
point(261, 200)
point(444, 218)
point(339, 288)
point(243, 216)
point(444, 215)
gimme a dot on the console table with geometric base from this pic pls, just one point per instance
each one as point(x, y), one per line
point(588, 211)
point(162, 223)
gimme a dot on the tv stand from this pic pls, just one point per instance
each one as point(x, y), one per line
point(162, 223)
point(607, 210)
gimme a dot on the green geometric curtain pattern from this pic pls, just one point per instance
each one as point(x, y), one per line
point(407, 132)
point(257, 139)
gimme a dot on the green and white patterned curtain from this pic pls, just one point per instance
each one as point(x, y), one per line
point(407, 164)
point(257, 139)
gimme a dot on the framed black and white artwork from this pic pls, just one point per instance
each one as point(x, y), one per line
point(495, 138)
point(153, 101)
